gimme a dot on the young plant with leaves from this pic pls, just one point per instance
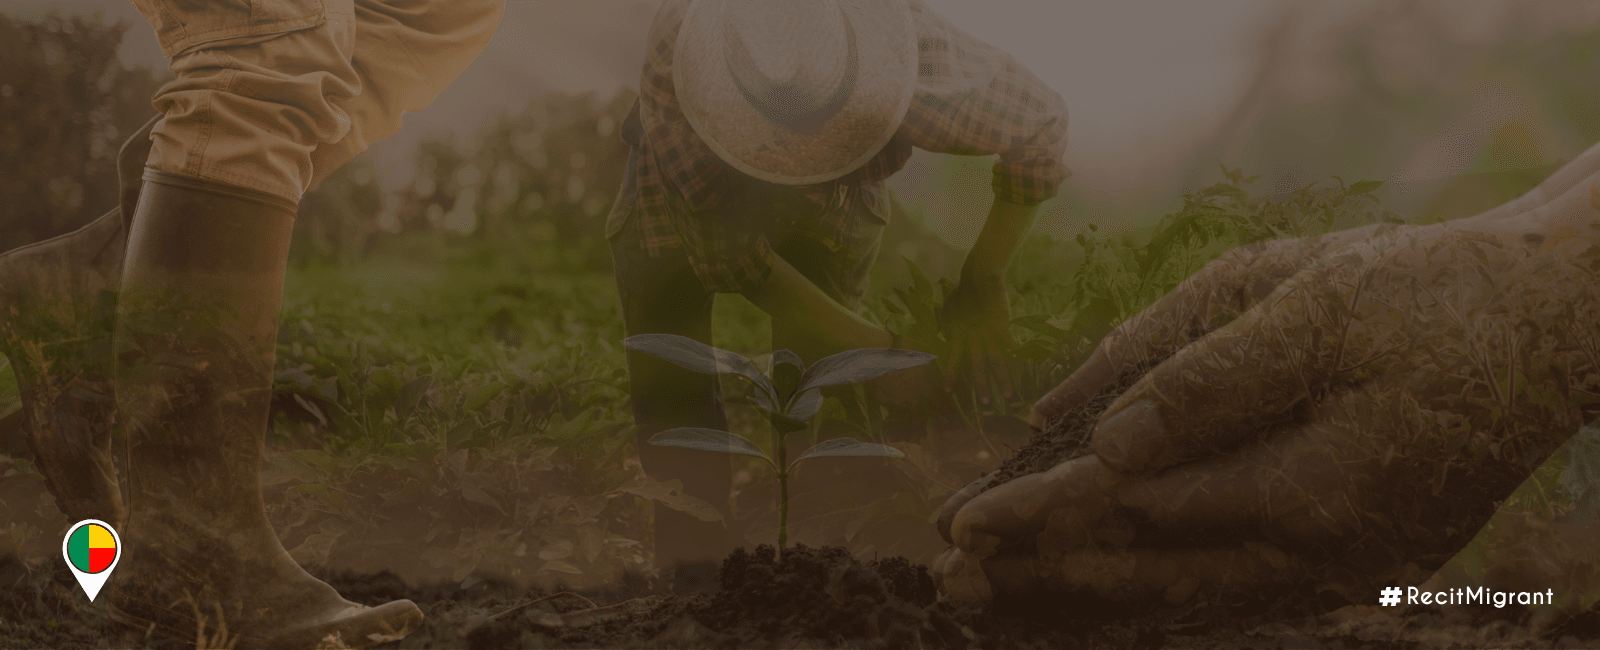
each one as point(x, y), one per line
point(790, 395)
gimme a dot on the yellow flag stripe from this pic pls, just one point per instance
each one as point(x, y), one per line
point(100, 537)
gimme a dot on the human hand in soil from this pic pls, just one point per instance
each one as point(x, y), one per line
point(1241, 278)
point(977, 320)
point(1367, 399)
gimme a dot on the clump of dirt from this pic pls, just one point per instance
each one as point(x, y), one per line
point(1067, 437)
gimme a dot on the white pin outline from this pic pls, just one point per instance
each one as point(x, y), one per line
point(91, 582)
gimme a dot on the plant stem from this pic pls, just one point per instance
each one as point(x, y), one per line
point(783, 512)
point(780, 449)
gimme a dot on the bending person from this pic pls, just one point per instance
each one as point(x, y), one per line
point(760, 143)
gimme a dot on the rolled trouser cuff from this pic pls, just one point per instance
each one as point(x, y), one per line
point(224, 189)
point(219, 188)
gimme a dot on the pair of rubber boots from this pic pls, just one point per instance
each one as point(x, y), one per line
point(163, 317)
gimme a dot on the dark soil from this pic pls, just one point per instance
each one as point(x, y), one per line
point(825, 598)
point(813, 598)
point(1066, 437)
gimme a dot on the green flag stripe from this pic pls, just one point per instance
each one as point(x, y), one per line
point(78, 548)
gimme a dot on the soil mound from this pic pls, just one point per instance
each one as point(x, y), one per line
point(809, 596)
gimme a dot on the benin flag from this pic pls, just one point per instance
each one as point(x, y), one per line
point(92, 548)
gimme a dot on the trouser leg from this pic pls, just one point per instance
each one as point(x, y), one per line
point(258, 91)
point(662, 296)
point(280, 112)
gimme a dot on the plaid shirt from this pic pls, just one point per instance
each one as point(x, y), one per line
point(970, 99)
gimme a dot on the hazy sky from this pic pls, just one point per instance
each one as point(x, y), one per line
point(1141, 77)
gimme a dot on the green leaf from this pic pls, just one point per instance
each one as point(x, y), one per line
point(852, 366)
point(786, 370)
point(482, 394)
point(841, 447)
point(703, 439)
point(312, 408)
point(557, 551)
point(293, 377)
point(410, 394)
point(1039, 324)
point(1364, 187)
point(1096, 319)
point(321, 491)
point(476, 494)
point(1155, 253)
point(282, 468)
point(669, 494)
point(805, 405)
point(699, 357)
point(328, 388)
point(557, 566)
point(461, 433)
point(317, 458)
point(788, 357)
point(786, 425)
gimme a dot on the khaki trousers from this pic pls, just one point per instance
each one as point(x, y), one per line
point(275, 95)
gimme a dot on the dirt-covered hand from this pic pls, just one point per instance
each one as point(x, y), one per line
point(1240, 279)
point(977, 322)
point(1355, 420)
point(1227, 287)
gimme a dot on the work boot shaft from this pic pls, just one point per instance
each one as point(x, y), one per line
point(57, 311)
point(57, 303)
point(196, 332)
point(197, 324)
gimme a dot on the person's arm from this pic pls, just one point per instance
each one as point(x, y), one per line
point(787, 295)
point(977, 313)
point(1002, 233)
point(974, 99)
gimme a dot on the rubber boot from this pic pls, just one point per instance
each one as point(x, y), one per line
point(57, 305)
point(196, 327)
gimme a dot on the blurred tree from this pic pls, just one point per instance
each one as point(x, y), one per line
point(1400, 90)
point(542, 179)
point(66, 104)
point(339, 218)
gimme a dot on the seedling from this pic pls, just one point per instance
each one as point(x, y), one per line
point(790, 395)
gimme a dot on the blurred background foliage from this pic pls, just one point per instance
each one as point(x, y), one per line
point(450, 394)
point(535, 184)
point(66, 105)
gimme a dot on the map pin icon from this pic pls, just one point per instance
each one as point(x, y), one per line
point(92, 549)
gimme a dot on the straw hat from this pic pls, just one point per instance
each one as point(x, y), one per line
point(796, 91)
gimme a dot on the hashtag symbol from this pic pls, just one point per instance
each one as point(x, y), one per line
point(1390, 596)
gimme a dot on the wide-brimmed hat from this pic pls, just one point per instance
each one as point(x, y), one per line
point(795, 91)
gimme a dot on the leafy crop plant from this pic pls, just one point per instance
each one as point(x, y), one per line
point(790, 395)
